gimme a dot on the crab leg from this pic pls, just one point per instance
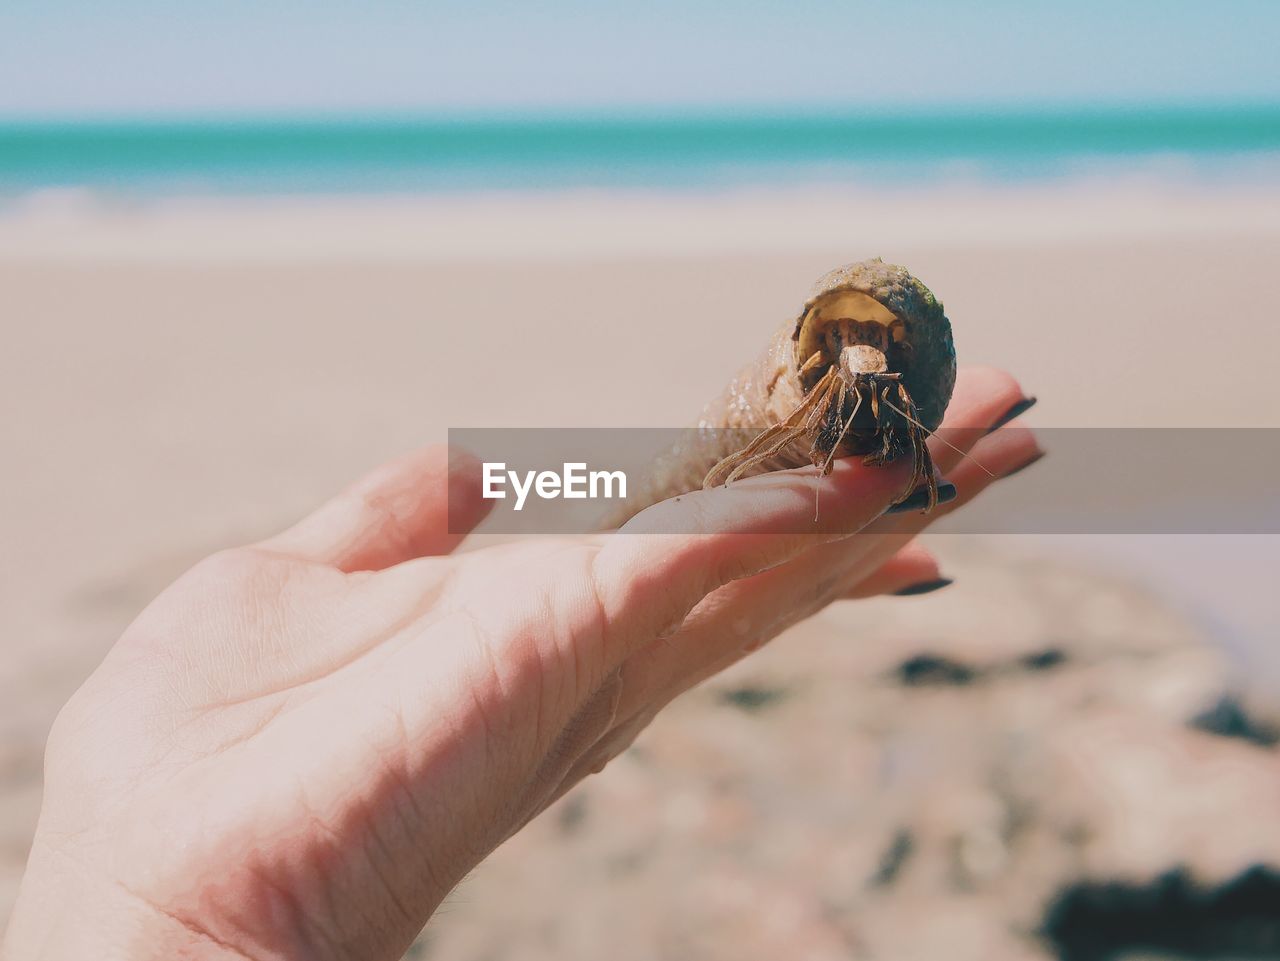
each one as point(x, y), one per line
point(857, 405)
point(811, 424)
point(737, 463)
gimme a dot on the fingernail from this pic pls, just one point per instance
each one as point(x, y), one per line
point(924, 587)
point(1017, 410)
point(1037, 456)
point(918, 499)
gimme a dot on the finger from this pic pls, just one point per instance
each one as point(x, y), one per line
point(982, 397)
point(658, 673)
point(400, 511)
point(1003, 453)
point(995, 457)
point(647, 581)
point(911, 565)
point(742, 616)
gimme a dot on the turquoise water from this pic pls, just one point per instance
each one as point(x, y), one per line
point(671, 152)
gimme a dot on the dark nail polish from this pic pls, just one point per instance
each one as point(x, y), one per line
point(924, 587)
point(1017, 410)
point(918, 499)
point(1038, 456)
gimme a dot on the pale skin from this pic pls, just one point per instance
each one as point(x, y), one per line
point(302, 746)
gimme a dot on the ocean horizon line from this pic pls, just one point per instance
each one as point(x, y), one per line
point(470, 152)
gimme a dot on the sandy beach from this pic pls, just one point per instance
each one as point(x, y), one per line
point(187, 375)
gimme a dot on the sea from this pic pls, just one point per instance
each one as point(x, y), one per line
point(1227, 144)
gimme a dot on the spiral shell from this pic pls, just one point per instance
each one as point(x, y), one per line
point(923, 351)
point(873, 304)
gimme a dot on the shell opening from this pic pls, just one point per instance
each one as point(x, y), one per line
point(846, 319)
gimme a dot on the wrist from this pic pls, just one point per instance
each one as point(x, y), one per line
point(63, 913)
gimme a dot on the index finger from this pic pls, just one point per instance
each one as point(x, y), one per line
point(652, 572)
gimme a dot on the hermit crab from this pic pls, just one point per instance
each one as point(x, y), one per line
point(866, 368)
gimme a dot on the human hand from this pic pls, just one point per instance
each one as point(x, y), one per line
point(302, 746)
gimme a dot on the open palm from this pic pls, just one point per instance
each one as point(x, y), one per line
point(302, 746)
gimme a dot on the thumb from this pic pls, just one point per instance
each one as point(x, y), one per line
point(419, 505)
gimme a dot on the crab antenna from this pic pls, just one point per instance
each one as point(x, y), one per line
point(934, 433)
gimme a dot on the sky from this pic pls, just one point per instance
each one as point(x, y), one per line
point(62, 59)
